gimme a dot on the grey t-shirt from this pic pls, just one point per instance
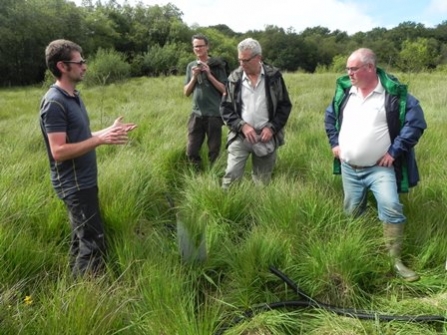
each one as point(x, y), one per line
point(60, 112)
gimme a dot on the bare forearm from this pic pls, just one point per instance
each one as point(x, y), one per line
point(69, 151)
point(189, 87)
point(62, 150)
point(102, 131)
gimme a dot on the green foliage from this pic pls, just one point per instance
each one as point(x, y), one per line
point(417, 55)
point(161, 60)
point(441, 68)
point(339, 64)
point(141, 31)
point(101, 30)
point(106, 67)
point(26, 27)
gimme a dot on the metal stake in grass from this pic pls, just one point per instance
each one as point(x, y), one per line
point(190, 237)
point(191, 241)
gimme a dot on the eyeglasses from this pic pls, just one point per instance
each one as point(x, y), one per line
point(354, 69)
point(80, 63)
point(199, 46)
point(245, 61)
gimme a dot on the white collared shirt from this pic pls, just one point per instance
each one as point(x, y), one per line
point(254, 101)
point(364, 136)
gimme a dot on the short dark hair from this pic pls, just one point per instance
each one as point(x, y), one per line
point(57, 51)
point(199, 37)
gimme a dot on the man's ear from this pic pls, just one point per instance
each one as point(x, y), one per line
point(61, 66)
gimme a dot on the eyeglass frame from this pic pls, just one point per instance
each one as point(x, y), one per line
point(245, 61)
point(80, 63)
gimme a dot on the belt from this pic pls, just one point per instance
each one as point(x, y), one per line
point(358, 166)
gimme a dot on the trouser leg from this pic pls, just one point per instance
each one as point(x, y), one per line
point(384, 187)
point(382, 181)
point(236, 160)
point(196, 137)
point(355, 191)
point(263, 168)
point(214, 134)
point(88, 241)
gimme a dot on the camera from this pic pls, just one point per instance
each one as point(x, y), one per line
point(199, 77)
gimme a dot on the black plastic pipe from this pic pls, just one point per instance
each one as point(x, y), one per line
point(307, 301)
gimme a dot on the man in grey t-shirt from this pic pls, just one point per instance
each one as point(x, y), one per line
point(71, 151)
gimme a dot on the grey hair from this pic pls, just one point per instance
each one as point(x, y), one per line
point(250, 44)
point(366, 56)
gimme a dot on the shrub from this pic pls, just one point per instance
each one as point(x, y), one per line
point(106, 67)
point(339, 64)
point(161, 60)
point(441, 68)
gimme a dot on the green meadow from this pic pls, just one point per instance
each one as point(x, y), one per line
point(295, 224)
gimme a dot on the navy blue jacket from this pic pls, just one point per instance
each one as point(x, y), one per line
point(406, 124)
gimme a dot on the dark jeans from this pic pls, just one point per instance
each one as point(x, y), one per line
point(87, 248)
point(198, 128)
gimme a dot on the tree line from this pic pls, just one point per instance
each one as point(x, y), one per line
point(153, 40)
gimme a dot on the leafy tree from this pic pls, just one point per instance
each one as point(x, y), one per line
point(376, 34)
point(406, 31)
point(440, 32)
point(160, 21)
point(387, 54)
point(315, 31)
point(417, 55)
point(136, 32)
point(274, 41)
point(26, 27)
point(179, 32)
point(443, 54)
point(340, 36)
point(224, 29)
point(121, 19)
point(100, 30)
point(320, 45)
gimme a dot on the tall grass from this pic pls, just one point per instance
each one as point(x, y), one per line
point(295, 224)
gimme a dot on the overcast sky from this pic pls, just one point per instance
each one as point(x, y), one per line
point(346, 15)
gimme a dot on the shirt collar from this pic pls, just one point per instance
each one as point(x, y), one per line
point(378, 89)
point(245, 77)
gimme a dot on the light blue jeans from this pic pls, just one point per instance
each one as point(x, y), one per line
point(238, 154)
point(382, 183)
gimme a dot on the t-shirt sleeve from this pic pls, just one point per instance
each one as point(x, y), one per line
point(54, 117)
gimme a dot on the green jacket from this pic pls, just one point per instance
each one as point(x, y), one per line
point(405, 120)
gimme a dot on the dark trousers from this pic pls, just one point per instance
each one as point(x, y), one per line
point(198, 128)
point(87, 248)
